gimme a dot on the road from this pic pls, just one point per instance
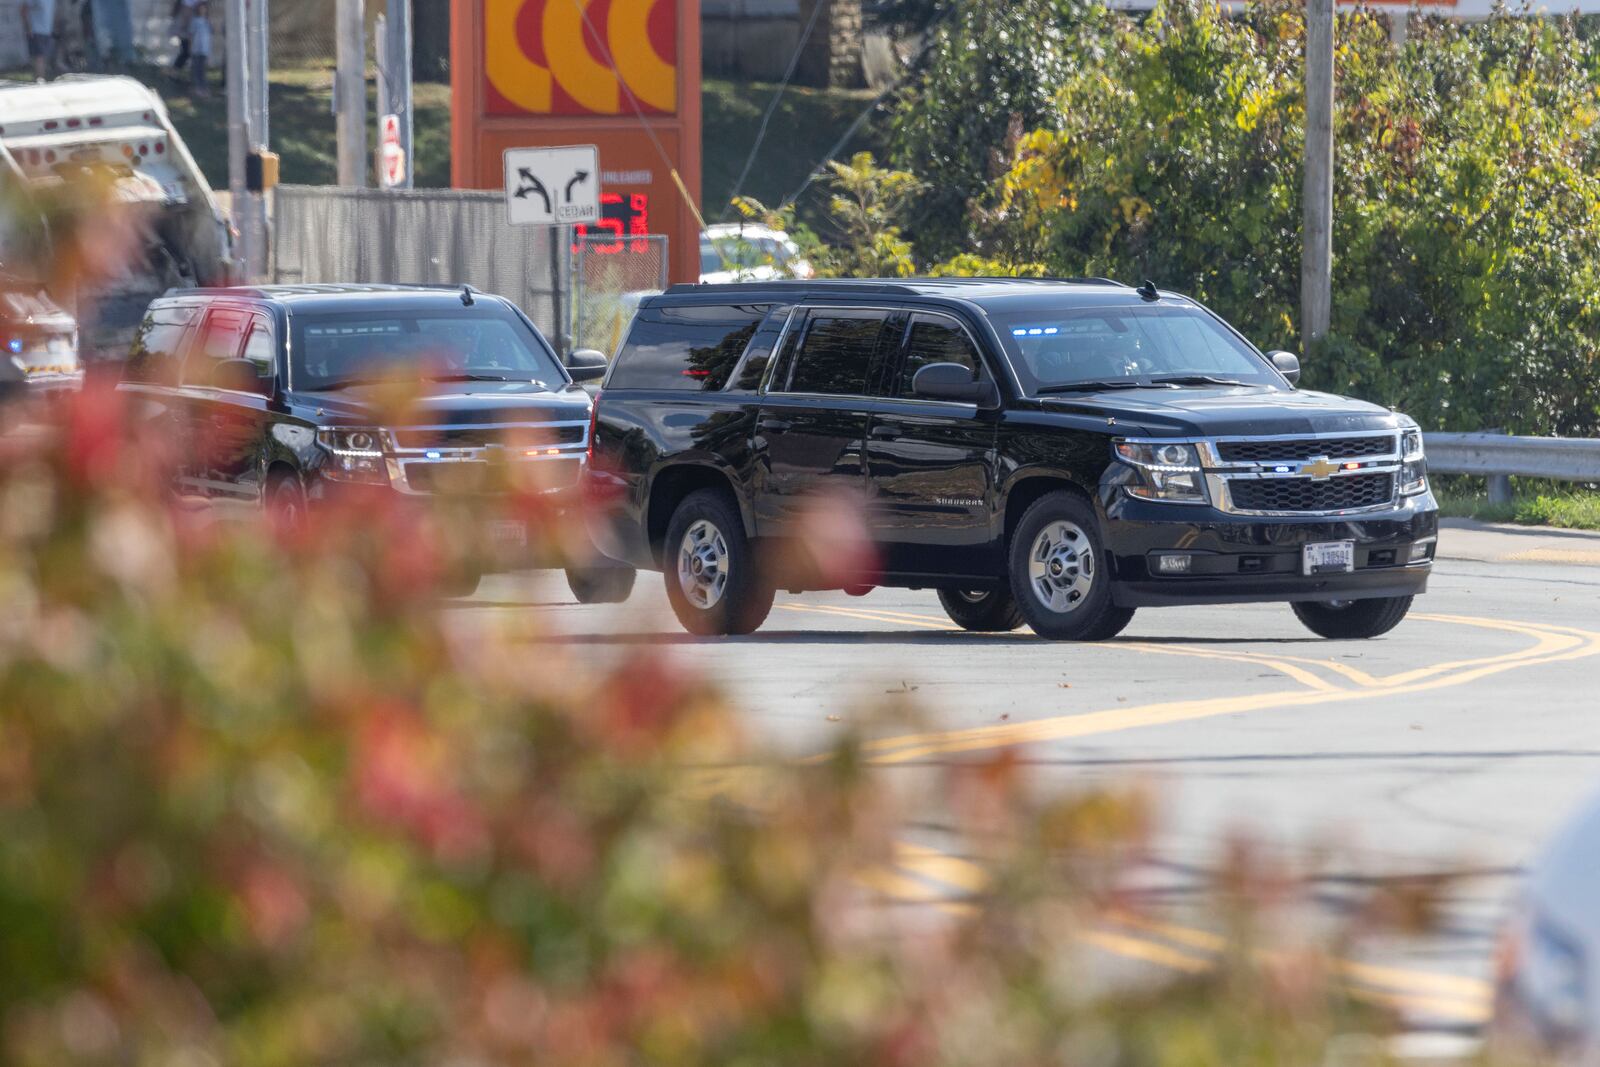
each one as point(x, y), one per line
point(1455, 744)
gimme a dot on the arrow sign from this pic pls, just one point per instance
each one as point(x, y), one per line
point(536, 176)
point(529, 183)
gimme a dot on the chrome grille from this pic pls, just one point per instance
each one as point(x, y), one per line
point(1342, 493)
point(484, 437)
point(1261, 450)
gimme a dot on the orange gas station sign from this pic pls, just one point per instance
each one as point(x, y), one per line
point(623, 75)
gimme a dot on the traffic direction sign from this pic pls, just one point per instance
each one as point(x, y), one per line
point(546, 186)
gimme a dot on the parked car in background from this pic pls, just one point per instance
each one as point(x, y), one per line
point(116, 130)
point(1055, 452)
point(1547, 997)
point(276, 396)
point(38, 341)
point(744, 252)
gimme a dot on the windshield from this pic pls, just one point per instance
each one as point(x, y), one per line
point(740, 251)
point(486, 342)
point(1052, 348)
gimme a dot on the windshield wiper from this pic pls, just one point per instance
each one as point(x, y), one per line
point(1195, 379)
point(465, 378)
point(1092, 387)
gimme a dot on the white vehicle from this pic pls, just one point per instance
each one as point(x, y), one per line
point(1547, 1003)
point(744, 252)
point(116, 129)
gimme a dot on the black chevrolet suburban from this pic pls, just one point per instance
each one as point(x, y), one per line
point(278, 398)
point(1055, 452)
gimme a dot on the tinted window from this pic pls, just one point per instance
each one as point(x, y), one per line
point(158, 345)
point(486, 341)
point(685, 347)
point(258, 349)
point(935, 339)
point(836, 354)
point(220, 338)
point(1058, 346)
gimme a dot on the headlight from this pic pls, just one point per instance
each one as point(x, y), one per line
point(1413, 466)
point(1167, 470)
point(356, 454)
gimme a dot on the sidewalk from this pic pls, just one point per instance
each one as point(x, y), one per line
point(1504, 543)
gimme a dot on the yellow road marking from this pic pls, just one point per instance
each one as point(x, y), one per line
point(1299, 674)
point(1557, 555)
point(1550, 646)
point(1187, 949)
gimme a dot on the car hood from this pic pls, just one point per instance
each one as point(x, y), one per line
point(451, 404)
point(1227, 411)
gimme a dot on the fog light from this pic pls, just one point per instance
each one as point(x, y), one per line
point(1173, 564)
point(1421, 550)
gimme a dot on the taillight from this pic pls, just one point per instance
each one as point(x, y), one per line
point(594, 424)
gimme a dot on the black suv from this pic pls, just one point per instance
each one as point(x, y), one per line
point(1055, 452)
point(276, 399)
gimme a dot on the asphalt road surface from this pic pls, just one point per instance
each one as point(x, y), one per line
point(1457, 743)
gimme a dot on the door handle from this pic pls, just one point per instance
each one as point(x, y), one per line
point(775, 425)
point(885, 433)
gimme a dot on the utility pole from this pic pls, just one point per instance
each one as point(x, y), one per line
point(256, 132)
point(1316, 258)
point(350, 93)
point(400, 46)
point(393, 48)
point(238, 129)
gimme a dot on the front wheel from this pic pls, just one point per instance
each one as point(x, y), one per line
point(710, 567)
point(1056, 572)
point(600, 585)
point(1352, 619)
point(982, 610)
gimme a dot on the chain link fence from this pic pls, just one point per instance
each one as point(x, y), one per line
point(432, 236)
point(610, 274)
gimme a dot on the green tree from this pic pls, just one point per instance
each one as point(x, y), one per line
point(990, 72)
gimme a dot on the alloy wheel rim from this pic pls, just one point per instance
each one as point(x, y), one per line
point(973, 596)
point(1061, 567)
point(703, 565)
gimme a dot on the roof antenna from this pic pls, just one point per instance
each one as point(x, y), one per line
point(1148, 291)
point(466, 296)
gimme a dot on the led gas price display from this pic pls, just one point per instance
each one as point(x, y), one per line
point(624, 215)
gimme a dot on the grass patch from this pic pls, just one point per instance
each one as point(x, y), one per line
point(1566, 507)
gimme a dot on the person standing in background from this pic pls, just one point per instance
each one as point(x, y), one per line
point(182, 28)
point(39, 24)
point(200, 46)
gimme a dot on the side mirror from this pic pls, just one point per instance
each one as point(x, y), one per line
point(1288, 365)
point(241, 376)
point(586, 365)
point(949, 381)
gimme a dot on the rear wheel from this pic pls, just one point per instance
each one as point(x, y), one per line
point(1056, 572)
point(982, 610)
point(600, 585)
point(1352, 619)
point(710, 568)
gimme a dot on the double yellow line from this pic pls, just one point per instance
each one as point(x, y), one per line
point(926, 876)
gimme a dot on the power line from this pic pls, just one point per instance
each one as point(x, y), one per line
point(772, 105)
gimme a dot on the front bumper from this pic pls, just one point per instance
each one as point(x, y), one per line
point(1242, 559)
point(510, 539)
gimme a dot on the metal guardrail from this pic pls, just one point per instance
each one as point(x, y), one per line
point(1567, 459)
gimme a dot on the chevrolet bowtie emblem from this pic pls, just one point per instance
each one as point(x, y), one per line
point(1319, 469)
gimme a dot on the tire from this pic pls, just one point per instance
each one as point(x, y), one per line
point(285, 503)
point(982, 611)
point(1058, 572)
point(725, 593)
point(1352, 619)
point(600, 585)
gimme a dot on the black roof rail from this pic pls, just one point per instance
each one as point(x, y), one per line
point(875, 286)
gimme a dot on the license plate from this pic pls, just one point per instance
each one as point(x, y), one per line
point(1328, 557)
point(508, 533)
